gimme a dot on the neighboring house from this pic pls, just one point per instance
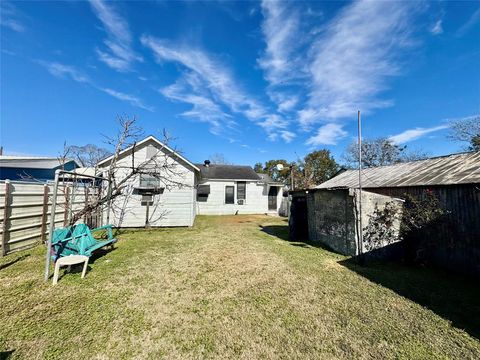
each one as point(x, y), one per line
point(234, 189)
point(161, 203)
point(30, 168)
point(330, 211)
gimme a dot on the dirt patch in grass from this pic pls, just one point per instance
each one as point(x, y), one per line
point(226, 288)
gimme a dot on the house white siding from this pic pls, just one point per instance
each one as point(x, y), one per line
point(174, 207)
point(256, 201)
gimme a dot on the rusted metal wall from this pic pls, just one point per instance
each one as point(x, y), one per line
point(454, 242)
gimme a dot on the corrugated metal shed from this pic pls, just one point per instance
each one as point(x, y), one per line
point(453, 169)
point(31, 162)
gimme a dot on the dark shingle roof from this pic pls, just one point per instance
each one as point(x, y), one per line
point(227, 172)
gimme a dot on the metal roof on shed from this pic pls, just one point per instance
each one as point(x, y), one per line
point(227, 172)
point(30, 162)
point(453, 169)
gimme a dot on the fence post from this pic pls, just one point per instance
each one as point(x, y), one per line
point(44, 213)
point(5, 217)
point(67, 202)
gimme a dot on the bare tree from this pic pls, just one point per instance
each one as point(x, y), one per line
point(466, 130)
point(219, 159)
point(88, 155)
point(380, 151)
point(120, 173)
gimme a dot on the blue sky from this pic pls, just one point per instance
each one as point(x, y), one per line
point(251, 80)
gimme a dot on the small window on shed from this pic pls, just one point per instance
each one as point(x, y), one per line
point(229, 194)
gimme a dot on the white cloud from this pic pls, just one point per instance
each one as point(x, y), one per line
point(354, 56)
point(66, 71)
point(437, 29)
point(280, 29)
point(328, 134)
point(287, 136)
point(211, 79)
point(187, 89)
point(471, 22)
point(133, 100)
point(414, 134)
point(9, 17)
point(119, 54)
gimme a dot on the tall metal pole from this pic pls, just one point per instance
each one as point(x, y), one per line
point(51, 226)
point(360, 230)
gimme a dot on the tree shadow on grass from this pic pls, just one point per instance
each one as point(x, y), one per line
point(10, 263)
point(449, 296)
point(281, 232)
point(4, 355)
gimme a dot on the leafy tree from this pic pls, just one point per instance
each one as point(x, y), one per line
point(258, 167)
point(315, 168)
point(271, 169)
point(467, 130)
point(378, 152)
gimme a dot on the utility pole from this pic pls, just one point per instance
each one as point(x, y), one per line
point(360, 230)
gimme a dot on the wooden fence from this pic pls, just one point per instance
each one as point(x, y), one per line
point(25, 211)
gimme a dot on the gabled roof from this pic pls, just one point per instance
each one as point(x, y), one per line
point(452, 169)
point(145, 142)
point(227, 172)
point(32, 162)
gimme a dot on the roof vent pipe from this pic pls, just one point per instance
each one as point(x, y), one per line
point(206, 163)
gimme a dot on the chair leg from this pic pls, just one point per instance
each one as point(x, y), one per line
point(85, 266)
point(55, 274)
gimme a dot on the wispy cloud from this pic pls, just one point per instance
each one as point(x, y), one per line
point(214, 81)
point(471, 22)
point(9, 17)
point(133, 100)
point(119, 54)
point(437, 29)
point(69, 72)
point(280, 29)
point(328, 134)
point(187, 89)
point(414, 134)
point(353, 58)
point(65, 71)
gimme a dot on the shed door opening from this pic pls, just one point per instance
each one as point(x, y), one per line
point(272, 198)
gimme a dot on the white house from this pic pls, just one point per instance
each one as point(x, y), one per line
point(184, 189)
point(168, 201)
point(234, 189)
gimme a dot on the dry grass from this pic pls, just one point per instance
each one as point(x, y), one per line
point(231, 287)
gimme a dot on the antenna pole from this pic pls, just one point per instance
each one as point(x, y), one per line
point(360, 230)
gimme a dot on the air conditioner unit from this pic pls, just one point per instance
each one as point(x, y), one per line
point(241, 202)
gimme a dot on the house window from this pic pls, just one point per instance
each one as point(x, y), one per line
point(202, 193)
point(241, 191)
point(148, 181)
point(229, 194)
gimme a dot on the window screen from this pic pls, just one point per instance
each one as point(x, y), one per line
point(241, 190)
point(229, 194)
point(148, 181)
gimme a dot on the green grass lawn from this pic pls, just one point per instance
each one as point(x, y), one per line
point(233, 287)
